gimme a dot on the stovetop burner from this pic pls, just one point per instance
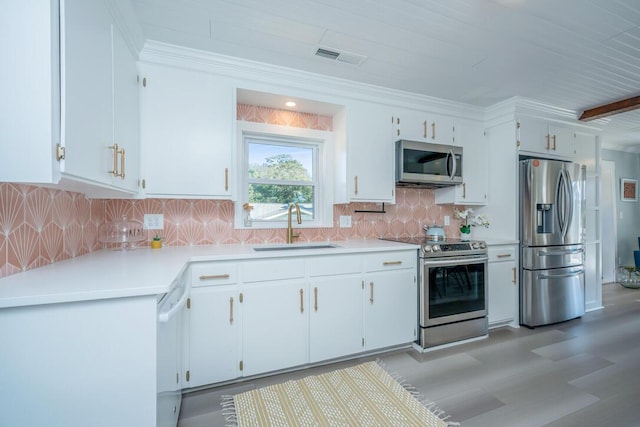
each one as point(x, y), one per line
point(444, 248)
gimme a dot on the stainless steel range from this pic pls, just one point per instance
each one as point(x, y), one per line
point(453, 294)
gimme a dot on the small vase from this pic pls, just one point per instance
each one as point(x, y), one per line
point(465, 232)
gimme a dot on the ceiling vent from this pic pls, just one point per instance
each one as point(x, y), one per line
point(341, 56)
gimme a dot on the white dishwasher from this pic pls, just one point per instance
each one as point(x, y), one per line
point(169, 354)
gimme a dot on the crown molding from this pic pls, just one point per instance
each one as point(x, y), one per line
point(267, 76)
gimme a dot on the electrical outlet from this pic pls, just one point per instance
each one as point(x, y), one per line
point(153, 221)
point(345, 221)
point(447, 220)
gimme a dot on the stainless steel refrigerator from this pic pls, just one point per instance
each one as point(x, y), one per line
point(552, 218)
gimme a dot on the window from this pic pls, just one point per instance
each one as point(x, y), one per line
point(280, 165)
point(280, 171)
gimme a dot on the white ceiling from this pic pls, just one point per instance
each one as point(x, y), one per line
point(573, 54)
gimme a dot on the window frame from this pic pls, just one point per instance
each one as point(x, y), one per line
point(322, 141)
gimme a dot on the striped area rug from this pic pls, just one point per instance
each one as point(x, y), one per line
point(362, 395)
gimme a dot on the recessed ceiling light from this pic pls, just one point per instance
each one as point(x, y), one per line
point(290, 104)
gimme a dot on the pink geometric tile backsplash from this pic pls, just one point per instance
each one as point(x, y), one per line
point(40, 226)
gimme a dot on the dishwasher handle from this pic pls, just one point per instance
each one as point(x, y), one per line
point(164, 316)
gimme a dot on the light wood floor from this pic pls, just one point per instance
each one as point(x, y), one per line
point(584, 372)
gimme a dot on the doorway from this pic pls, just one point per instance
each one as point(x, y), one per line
point(609, 226)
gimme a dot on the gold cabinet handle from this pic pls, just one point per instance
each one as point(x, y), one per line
point(315, 298)
point(554, 143)
point(503, 255)
point(301, 301)
point(371, 292)
point(548, 142)
point(231, 311)
point(464, 190)
point(433, 130)
point(214, 277)
point(226, 179)
point(114, 147)
point(514, 275)
point(391, 262)
point(424, 125)
point(355, 178)
point(122, 163)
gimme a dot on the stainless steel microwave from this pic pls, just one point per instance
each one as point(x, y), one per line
point(427, 165)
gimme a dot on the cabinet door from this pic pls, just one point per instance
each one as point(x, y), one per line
point(274, 326)
point(126, 114)
point(412, 125)
point(335, 319)
point(87, 104)
point(533, 136)
point(391, 301)
point(30, 106)
point(562, 141)
point(441, 130)
point(187, 122)
point(474, 189)
point(213, 335)
point(503, 305)
point(370, 153)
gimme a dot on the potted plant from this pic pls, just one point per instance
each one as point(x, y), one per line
point(156, 242)
point(467, 221)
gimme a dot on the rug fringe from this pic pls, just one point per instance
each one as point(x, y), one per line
point(229, 410)
point(429, 404)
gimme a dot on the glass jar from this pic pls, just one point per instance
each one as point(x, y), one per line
point(124, 233)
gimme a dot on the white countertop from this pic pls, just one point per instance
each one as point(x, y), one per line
point(116, 274)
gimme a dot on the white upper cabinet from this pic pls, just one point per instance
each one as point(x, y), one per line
point(474, 189)
point(187, 133)
point(79, 66)
point(87, 102)
point(423, 126)
point(126, 114)
point(537, 136)
point(369, 154)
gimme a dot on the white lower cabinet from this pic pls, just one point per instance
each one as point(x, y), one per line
point(213, 335)
point(503, 285)
point(390, 308)
point(256, 316)
point(274, 326)
point(335, 317)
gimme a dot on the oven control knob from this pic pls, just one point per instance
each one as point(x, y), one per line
point(436, 248)
point(426, 248)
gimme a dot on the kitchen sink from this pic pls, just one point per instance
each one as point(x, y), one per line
point(293, 247)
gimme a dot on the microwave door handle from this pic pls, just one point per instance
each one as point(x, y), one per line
point(451, 155)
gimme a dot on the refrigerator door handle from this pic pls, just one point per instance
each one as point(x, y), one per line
point(560, 276)
point(564, 200)
point(563, 252)
point(569, 192)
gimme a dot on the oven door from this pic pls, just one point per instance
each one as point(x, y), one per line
point(453, 290)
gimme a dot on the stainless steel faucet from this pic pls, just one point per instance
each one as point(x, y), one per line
point(290, 234)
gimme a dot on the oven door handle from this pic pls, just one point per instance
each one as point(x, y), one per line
point(454, 261)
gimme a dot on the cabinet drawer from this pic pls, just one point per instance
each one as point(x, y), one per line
point(273, 269)
point(502, 253)
point(333, 265)
point(214, 273)
point(390, 260)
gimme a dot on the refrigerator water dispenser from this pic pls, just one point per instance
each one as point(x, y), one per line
point(544, 218)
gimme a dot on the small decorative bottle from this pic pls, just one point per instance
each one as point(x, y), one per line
point(247, 214)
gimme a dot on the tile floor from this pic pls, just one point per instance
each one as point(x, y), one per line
point(585, 372)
